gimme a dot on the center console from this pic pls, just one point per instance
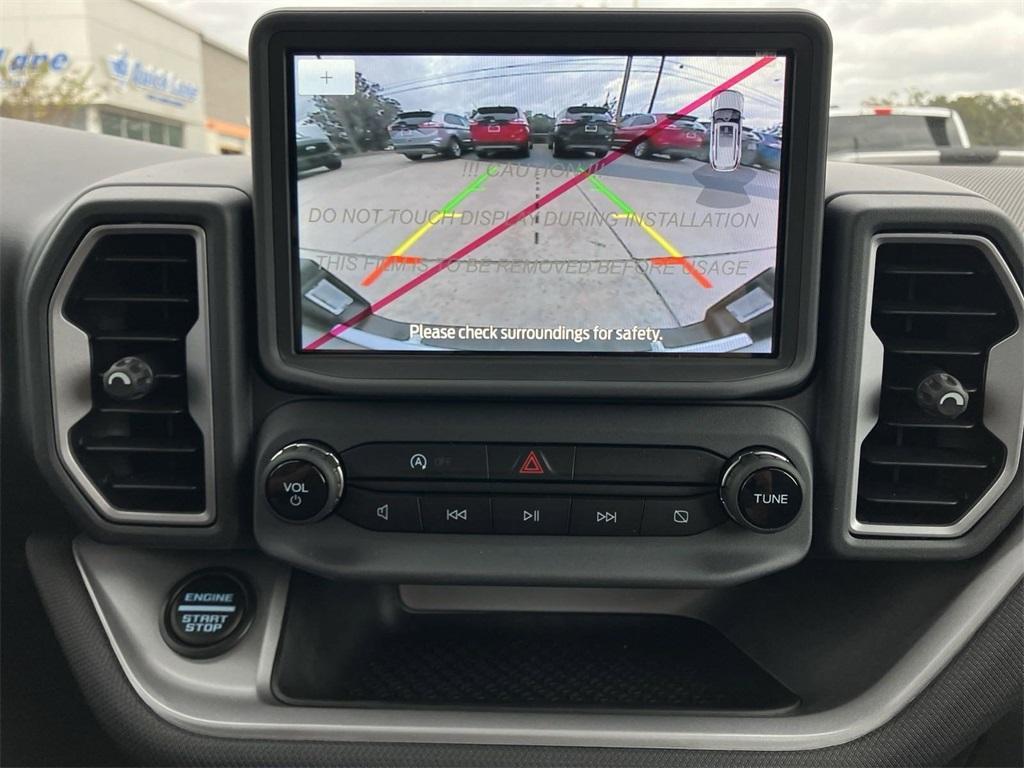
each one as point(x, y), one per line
point(533, 390)
point(592, 257)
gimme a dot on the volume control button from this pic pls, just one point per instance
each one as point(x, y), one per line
point(303, 482)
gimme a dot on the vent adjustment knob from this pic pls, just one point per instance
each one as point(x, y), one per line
point(130, 378)
point(762, 490)
point(942, 394)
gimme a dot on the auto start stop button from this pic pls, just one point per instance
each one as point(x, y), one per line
point(207, 613)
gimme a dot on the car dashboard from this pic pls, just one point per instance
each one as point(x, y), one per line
point(253, 567)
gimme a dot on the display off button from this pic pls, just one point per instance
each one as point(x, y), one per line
point(682, 516)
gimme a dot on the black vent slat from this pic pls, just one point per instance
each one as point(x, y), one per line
point(915, 456)
point(911, 417)
point(937, 306)
point(931, 347)
point(146, 259)
point(144, 409)
point(137, 299)
point(913, 308)
point(153, 486)
point(137, 295)
point(926, 270)
point(136, 444)
point(905, 388)
point(908, 494)
point(138, 337)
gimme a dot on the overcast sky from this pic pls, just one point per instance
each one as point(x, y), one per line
point(941, 46)
point(549, 84)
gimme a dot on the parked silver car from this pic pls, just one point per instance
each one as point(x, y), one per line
point(726, 131)
point(415, 134)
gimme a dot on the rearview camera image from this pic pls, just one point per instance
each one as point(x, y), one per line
point(572, 203)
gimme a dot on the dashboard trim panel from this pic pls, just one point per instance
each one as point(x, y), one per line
point(70, 369)
point(1004, 391)
point(231, 697)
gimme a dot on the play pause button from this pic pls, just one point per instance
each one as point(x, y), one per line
point(530, 515)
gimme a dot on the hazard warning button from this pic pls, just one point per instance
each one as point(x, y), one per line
point(530, 462)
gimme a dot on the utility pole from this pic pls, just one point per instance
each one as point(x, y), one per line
point(657, 82)
point(622, 93)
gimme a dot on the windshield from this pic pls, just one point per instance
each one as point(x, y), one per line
point(862, 133)
point(414, 118)
point(503, 113)
point(176, 72)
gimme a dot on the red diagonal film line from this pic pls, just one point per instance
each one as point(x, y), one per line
point(536, 205)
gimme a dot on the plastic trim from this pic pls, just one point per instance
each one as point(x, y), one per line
point(230, 696)
point(70, 367)
point(1004, 391)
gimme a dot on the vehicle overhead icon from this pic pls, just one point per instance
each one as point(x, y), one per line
point(726, 131)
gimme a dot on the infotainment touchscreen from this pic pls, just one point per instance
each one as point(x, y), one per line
point(538, 203)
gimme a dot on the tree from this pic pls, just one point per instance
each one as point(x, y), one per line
point(42, 96)
point(358, 122)
point(990, 120)
point(540, 123)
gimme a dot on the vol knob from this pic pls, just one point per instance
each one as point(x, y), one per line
point(942, 394)
point(762, 490)
point(304, 482)
point(130, 378)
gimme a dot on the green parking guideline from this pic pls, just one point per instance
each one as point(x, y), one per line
point(617, 201)
point(469, 189)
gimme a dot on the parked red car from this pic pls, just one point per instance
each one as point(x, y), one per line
point(682, 137)
point(500, 128)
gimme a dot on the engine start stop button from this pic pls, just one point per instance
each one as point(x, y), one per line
point(208, 612)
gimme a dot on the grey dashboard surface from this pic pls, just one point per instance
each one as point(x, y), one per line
point(1001, 185)
point(977, 685)
point(34, 192)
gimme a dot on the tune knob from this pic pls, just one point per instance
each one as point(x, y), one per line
point(762, 490)
point(130, 378)
point(304, 482)
point(942, 394)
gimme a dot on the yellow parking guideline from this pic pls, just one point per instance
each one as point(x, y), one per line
point(434, 218)
point(445, 213)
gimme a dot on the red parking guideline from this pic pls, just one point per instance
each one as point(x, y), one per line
point(536, 205)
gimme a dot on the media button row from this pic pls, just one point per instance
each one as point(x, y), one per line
point(532, 515)
point(533, 462)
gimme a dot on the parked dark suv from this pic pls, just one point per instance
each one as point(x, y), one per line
point(582, 129)
point(313, 153)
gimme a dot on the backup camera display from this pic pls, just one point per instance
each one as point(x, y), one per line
point(527, 203)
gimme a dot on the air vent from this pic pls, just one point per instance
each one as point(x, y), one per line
point(134, 292)
point(939, 305)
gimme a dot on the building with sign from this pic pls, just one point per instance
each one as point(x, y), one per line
point(148, 75)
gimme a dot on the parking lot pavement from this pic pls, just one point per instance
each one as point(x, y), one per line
point(651, 243)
